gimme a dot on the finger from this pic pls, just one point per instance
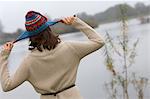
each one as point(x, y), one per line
point(9, 45)
point(6, 44)
point(72, 19)
point(5, 47)
point(12, 43)
point(67, 20)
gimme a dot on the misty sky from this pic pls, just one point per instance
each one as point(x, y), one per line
point(12, 12)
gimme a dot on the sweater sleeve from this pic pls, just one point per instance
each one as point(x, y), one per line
point(10, 82)
point(94, 42)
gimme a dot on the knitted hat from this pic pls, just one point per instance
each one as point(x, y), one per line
point(35, 23)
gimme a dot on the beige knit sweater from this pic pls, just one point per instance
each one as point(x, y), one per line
point(50, 71)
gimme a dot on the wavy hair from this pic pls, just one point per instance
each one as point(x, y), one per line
point(44, 40)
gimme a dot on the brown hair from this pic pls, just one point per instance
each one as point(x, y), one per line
point(46, 39)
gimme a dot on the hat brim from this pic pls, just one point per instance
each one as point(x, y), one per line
point(28, 34)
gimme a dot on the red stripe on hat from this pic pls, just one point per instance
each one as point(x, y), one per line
point(33, 21)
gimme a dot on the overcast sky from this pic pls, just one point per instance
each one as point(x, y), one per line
point(12, 12)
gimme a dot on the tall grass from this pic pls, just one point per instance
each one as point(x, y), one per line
point(119, 50)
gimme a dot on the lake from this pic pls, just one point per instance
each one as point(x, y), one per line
point(92, 73)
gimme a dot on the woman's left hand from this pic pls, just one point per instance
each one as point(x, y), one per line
point(8, 46)
point(68, 20)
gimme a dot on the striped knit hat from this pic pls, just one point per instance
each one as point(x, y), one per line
point(34, 20)
point(35, 23)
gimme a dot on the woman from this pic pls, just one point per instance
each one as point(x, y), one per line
point(51, 66)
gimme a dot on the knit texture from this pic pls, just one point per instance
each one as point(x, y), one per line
point(50, 71)
point(34, 20)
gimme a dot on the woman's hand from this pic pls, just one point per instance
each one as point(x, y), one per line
point(8, 46)
point(68, 20)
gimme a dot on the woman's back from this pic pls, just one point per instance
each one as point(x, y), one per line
point(53, 70)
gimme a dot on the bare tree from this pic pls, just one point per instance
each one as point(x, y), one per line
point(119, 48)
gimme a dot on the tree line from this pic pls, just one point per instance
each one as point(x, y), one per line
point(111, 14)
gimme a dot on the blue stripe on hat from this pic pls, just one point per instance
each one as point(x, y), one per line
point(31, 18)
point(34, 21)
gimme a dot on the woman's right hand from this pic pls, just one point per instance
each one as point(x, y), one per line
point(8, 46)
point(68, 20)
